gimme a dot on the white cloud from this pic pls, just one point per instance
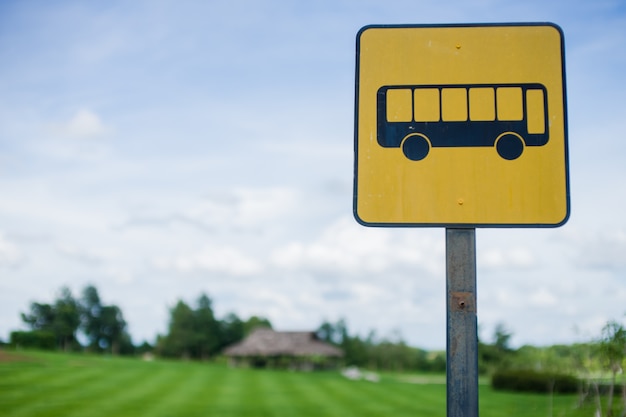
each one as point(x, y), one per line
point(73, 139)
point(86, 255)
point(498, 258)
point(227, 260)
point(84, 124)
point(257, 205)
point(606, 250)
point(119, 275)
point(10, 255)
point(232, 210)
point(542, 297)
point(346, 247)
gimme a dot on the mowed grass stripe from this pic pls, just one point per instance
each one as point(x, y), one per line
point(279, 393)
point(365, 398)
point(44, 386)
point(54, 375)
point(79, 398)
point(397, 398)
point(121, 397)
point(217, 386)
point(493, 404)
point(348, 395)
point(12, 383)
point(86, 398)
point(251, 402)
point(48, 389)
point(182, 393)
point(13, 380)
point(20, 374)
point(88, 386)
point(253, 392)
point(229, 393)
point(315, 400)
point(262, 393)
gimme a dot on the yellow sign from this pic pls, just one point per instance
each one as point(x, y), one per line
point(461, 125)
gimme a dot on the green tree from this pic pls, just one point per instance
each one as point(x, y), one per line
point(113, 329)
point(497, 355)
point(207, 333)
point(502, 338)
point(104, 325)
point(41, 317)
point(91, 322)
point(197, 333)
point(66, 319)
point(357, 352)
point(254, 322)
point(144, 348)
point(232, 330)
point(331, 333)
point(613, 351)
point(61, 318)
point(180, 340)
point(386, 354)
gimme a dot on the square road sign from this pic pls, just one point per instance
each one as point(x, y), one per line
point(461, 125)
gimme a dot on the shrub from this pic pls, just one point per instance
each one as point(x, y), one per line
point(36, 339)
point(533, 381)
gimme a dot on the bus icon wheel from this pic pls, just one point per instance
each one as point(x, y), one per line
point(510, 146)
point(415, 146)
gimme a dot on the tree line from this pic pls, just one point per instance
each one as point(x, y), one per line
point(195, 333)
point(72, 323)
point(80, 323)
point(380, 353)
point(86, 323)
point(57, 325)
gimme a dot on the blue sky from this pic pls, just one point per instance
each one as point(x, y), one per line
point(162, 149)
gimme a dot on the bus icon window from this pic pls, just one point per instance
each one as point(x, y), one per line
point(416, 118)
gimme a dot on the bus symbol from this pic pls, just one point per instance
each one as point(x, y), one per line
point(416, 118)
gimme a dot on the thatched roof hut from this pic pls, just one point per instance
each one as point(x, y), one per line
point(267, 347)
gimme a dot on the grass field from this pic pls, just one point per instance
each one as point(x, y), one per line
point(53, 384)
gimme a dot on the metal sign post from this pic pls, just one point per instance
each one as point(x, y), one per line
point(462, 337)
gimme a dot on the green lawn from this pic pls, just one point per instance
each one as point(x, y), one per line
point(52, 384)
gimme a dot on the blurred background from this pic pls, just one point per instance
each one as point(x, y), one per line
point(161, 150)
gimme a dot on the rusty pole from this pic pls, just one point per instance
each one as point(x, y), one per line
point(462, 336)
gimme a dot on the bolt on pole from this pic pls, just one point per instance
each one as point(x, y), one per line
point(462, 335)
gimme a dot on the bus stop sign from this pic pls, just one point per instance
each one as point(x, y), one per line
point(461, 126)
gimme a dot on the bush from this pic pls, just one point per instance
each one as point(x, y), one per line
point(533, 381)
point(36, 339)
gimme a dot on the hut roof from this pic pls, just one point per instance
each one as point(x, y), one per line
point(267, 342)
